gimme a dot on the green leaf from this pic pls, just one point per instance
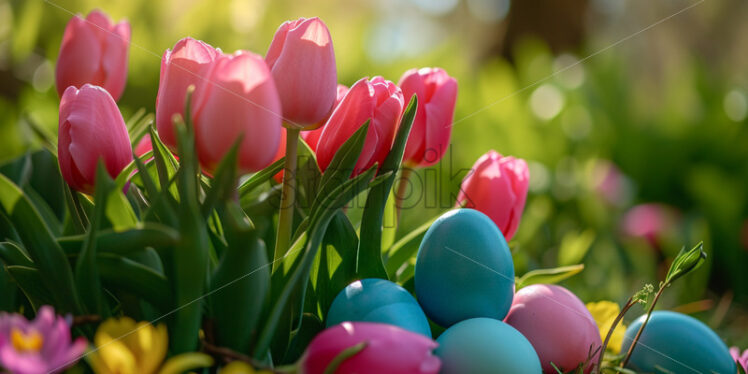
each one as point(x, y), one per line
point(318, 226)
point(223, 181)
point(548, 276)
point(261, 177)
point(344, 355)
point(11, 254)
point(311, 326)
point(146, 234)
point(166, 163)
point(574, 246)
point(335, 263)
point(685, 262)
point(86, 271)
point(120, 273)
point(405, 248)
point(240, 282)
point(369, 260)
point(31, 283)
point(48, 257)
point(191, 255)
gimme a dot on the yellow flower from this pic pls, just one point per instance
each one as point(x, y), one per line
point(126, 347)
point(239, 367)
point(604, 313)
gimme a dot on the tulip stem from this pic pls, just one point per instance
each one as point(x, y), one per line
point(401, 186)
point(644, 324)
point(288, 196)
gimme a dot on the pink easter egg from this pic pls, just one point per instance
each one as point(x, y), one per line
point(558, 326)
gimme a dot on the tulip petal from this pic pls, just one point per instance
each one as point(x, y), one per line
point(80, 53)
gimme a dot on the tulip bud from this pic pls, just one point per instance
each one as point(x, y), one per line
point(144, 146)
point(379, 100)
point(239, 99)
point(302, 61)
point(91, 128)
point(387, 349)
point(497, 187)
point(312, 137)
point(187, 64)
point(432, 126)
point(94, 51)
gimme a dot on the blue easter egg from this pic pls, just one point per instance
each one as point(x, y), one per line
point(464, 269)
point(677, 343)
point(485, 345)
point(378, 300)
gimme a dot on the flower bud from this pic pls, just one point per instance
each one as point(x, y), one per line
point(432, 126)
point(239, 100)
point(94, 50)
point(186, 64)
point(379, 100)
point(387, 349)
point(91, 128)
point(302, 61)
point(497, 186)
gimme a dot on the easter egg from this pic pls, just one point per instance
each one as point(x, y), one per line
point(378, 300)
point(464, 269)
point(558, 325)
point(485, 345)
point(677, 343)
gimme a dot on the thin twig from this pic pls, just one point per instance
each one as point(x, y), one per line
point(641, 328)
point(618, 319)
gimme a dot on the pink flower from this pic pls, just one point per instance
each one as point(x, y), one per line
point(240, 100)
point(91, 128)
point(186, 64)
point(497, 187)
point(39, 346)
point(311, 137)
point(740, 359)
point(389, 349)
point(650, 222)
point(379, 100)
point(302, 61)
point(144, 146)
point(432, 127)
point(94, 50)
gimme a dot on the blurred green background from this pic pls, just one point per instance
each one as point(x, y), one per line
point(613, 104)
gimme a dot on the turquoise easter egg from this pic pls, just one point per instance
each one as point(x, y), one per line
point(464, 269)
point(378, 300)
point(485, 346)
point(677, 343)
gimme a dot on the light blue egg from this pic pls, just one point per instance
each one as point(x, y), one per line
point(378, 300)
point(677, 343)
point(486, 346)
point(464, 269)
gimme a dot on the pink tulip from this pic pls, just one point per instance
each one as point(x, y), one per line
point(41, 346)
point(144, 146)
point(311, 137)
point(651, 222)
point(302, 61)
point(497, 186)
point(379, 100)
point(94, 50)
point(91, 128)
point(432, 127)
point(389, 349)
point(187, 64)
point(240, 100)
point(558, 326)
point(740, 359)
